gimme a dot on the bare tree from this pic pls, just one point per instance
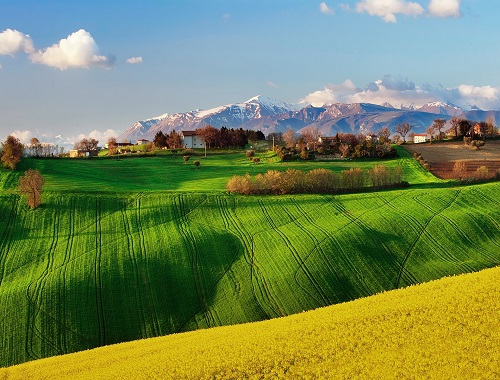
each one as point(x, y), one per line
point(403, 129)
point(310, 136)
point(174, 140)
point(112, 144)
point(383, 134)
point(35, 147)
point(31, 186)
point(438, 126)
point(209, 134)
point(289, 138)
point(12, 151)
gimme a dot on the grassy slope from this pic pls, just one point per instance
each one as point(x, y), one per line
point(169, 173)
point(103, 259)
point(443, 329)
point(88, 270)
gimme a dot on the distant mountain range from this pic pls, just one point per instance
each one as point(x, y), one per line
point(271, 115)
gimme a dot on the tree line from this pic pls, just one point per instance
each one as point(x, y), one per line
point(213, 138)
point(316, 181)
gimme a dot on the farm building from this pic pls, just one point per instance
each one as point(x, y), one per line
point(190, 139)
point(141, 142)
point(74, 153)
point(419, 138)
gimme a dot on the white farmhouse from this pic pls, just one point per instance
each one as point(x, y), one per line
point(419, 138)
point(192, 140)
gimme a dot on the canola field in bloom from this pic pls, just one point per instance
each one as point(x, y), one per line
point(88, 270)
point(448, 328)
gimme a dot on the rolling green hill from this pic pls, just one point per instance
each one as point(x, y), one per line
point(170, 173)
point(135, 248)
point(439, 330)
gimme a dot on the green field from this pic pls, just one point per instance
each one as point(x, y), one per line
point(133, 248)
point(170, 173)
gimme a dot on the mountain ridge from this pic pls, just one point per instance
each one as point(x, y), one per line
point(271, 115)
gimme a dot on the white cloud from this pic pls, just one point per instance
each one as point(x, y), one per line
point(444, 8)
point(13, 41)
point(272, 84)
point(101, 136)
point(400, 92)
point(333, 93)
point(23, 136)
point(388, 9)
point(78, 50)
point(134, 60)
point(325, 9)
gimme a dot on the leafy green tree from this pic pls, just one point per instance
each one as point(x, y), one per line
point(12, 151)
point(31, 186)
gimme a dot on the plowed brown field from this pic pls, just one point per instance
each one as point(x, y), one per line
point(442, 157)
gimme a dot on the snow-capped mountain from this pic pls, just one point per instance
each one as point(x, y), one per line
point(231, 116)
point(271, 115)
point(139, 128)
point(442, 108)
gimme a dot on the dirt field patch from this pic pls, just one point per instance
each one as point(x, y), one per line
point(442, 157)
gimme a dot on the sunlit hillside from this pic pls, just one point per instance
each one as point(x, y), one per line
point(447, 328)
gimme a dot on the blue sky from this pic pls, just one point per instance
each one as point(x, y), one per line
point(64, 69)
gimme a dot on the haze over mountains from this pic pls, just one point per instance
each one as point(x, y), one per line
point(271, 115)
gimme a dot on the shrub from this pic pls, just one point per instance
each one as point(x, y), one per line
point(250, 153)
point(482, 172)
point(186, 158)
point(196, 163)
point(459, 170)
point(256, 160)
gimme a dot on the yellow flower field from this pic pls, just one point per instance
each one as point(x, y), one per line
point(449, 328)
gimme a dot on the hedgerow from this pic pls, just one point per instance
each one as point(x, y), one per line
point(316, 181)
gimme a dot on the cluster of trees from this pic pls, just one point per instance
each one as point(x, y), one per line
point(317, 181)
point(213, 138)
point(173, 140)
point(86, 145)
point(228, 138)
point(38, 149)
point(463, 128)
point(347, 145)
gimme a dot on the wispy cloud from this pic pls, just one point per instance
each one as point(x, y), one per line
point(388, 9)
point(272, 84)
point(13, 41)
point(226, 17)
point(398, 91)
point(134, 60)
point(444, 8)
point(325, 9)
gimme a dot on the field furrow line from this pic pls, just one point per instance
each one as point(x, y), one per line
point(188, 239)
point(313, 237)
point(232, 221)
point(147, 277)
point(459, 231)
point(98, 276)
point(5, 242)
point(420, 234)
point(35, 300)
point(130, 253)
point(292, 250)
